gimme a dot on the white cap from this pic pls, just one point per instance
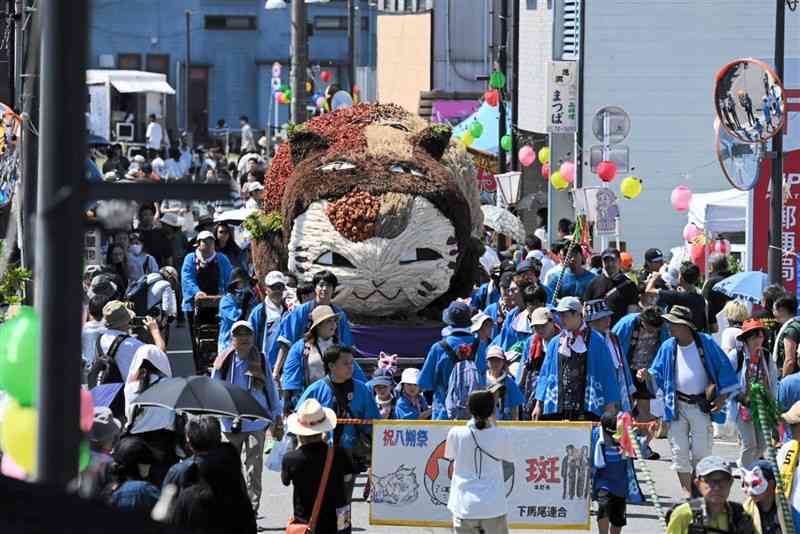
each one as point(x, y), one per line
point(495, 351)
point(478, 320)
point(242, 324)
point(409, 376)
point(205, 234)
point(274, 277)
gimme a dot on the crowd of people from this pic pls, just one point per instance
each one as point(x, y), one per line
point(548, 334)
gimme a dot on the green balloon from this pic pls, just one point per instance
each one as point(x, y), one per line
point(288, 94)
point(19, 356)
point(476, 129)
point(283, 88)
point(497, 80)
point(85, 457)
point(505, 142)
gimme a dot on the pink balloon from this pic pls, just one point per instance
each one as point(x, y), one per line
point(87, 410)
point(690, 231)
point(527, 156)
point(546, 171)
point(320, 101)
point(680, 198)
point(10, 468)
point(567, 171)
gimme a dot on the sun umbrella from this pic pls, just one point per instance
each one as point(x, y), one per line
point(202, 395)
point(748, 285)
point(503, 221)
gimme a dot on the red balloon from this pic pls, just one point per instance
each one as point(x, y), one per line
point(492, 97)
point(607, 171)
point(546, 171)
point(326, 75)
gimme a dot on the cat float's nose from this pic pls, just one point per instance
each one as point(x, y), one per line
point(378, 283)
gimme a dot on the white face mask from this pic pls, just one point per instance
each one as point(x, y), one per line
point(136, 249)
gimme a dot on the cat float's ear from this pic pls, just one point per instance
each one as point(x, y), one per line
point(434, 139)
point(302, 142)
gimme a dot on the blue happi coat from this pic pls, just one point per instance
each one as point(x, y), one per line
point(266, 332)
point(294, 370)
point(601, 380)
point(635, 495)
point(483, 296)
point(189, 278)
point(435, 374)
point(624, 331)
point(492, 311)
point(717, 367)
point(295, 324)
point(513, 398)
point(362, 406)
point(509, 336)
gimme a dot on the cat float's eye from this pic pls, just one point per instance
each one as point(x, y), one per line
point(333, 259)
point(406, 169)
point(419, 254)
point(337, 166)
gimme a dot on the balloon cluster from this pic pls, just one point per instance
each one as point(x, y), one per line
point(19, 368)
point(284, 94)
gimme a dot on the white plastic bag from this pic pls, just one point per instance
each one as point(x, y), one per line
point(275, 457)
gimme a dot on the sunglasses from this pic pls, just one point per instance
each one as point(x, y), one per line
point(718, 481)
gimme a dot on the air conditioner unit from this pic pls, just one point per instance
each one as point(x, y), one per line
point(107, 61)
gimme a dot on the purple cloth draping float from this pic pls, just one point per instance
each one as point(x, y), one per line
point(405, 341)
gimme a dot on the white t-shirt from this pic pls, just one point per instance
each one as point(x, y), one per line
point(91, 331)
point(154, 135)
point(161, 293)
point(728, 339)
point(477, 490)
point(690, 375)
point(126, 351)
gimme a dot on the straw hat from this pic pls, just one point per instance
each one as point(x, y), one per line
point(320, 315)
point(311, 418)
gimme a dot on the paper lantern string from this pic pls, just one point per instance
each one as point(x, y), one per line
point(642, 468)
point(766, 417)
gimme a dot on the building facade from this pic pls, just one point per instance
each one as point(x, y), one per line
point(233, 45)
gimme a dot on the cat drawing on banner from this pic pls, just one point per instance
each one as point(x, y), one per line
point(400, 487)
point(438, 474)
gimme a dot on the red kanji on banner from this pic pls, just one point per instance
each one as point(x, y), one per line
point(543, 469)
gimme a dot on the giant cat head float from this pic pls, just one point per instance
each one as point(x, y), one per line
point(383, 200)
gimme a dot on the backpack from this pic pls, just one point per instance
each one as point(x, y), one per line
point(136, 294)
point(739, 522)
point(464, 379)
point(104, 369)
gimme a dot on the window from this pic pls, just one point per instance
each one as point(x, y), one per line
point(330, 23)
point(129, 61)
point(530, 4)
point(158, 63)
point(230, 22)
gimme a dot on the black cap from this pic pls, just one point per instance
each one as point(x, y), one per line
point(653, 254)
point(610, 252)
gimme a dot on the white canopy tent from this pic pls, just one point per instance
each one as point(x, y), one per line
point(130, 81)
point(720, 211)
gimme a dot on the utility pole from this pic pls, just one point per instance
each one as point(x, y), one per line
point(299, 55)
point(187, 73)
point(351, 40)
point(514, 82)
point(502, 65)
point(11, 20)
point(775, 256)
point(29, 43)
point(62, 146)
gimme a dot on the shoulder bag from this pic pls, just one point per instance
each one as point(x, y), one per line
point(295, 526)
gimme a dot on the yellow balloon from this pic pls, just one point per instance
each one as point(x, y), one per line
point(544, 155)
point(467, 139)
point(631, 187)
point(18, 435)
point(558, 181)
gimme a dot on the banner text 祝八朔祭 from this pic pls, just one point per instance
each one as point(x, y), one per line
point(548, 484)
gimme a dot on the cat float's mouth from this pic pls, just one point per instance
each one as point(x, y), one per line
point(378, 291)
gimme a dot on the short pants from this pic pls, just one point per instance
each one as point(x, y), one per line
point(612, 507)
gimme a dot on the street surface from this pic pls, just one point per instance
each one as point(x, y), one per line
point(276, 499)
